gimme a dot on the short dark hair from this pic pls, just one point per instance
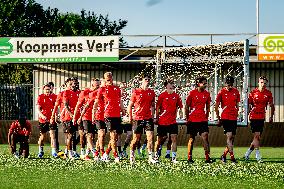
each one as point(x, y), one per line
point(22, 120)
point(51, 84)
point(46, 85)
point(74, 78)
point(95, 79)
point(167, 81)
point(264, 78)
point(67, 80)
point(200, 79)
point(230, 79)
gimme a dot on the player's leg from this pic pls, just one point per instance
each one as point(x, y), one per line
point(257, 129)
point(191, 131)
point(82, 141)
point(70, 135)
point(115, 125)
point(204, 132)
point(25, 146)
point(52, 131)
point(129, 133)
point(137, 132)
point(161, 137)
point(56, 137)
point(173, 130)
point(149, 127)
point(169, 146)
point(43, 128)
point(13, 146)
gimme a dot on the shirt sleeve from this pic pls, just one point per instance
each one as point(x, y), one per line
point(65, 96)
point(238, 96)
point(188, 99)
point(92, 97)
point(81, 98)
point(39, 100)
point(270, 99)
point(219, 97)
point(160, 100)
point(12, 127)
point(133, 96)
point(179, 102)
point(250, 98)
point(209, 98)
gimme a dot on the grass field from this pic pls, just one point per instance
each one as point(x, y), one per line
point(58, 173)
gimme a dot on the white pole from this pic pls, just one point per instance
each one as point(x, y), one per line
point(257, 17)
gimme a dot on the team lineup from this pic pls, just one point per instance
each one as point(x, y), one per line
point(94, 111)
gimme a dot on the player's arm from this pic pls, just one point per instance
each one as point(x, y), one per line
point(187, 107)
point(153, 108)
point(217, 104)
point(54, 111)
point(272, 109)
point(129, 110)
point(95, 108)
point(158, 108)
point(130, 105)
point(40, 113)
point(11, 130)
point(208, 106)
point(122, 107)
point(76, 111)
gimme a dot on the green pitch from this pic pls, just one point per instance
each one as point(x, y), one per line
point(58, 173)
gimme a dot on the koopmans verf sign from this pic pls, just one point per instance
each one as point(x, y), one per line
point(59, 49)
point(271, 47)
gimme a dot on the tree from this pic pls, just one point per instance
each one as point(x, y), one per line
point(26, 18)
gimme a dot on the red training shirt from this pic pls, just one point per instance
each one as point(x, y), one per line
point(259, 101)
point(196, 101)
point(168, 104)
point(82, 100)
point(143, 100)
point(110, 95)
point(70, 97)
point(228, 100)
point(46, 103)
point(16, 128)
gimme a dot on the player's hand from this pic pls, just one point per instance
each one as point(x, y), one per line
point(155, 120)
point(123, 112)
point(52, 120)
point(271, 120)
point(79, 121)
point(219, 122)
point(44, 118)
point(130, 119)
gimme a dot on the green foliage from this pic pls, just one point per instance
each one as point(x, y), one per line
point(51, 173)
point(26, 18)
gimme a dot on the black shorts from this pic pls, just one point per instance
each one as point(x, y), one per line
point(197, 127)
point(229, 126)
point(19, 138)
point(148, 125)
point(69, 127)
point(64, 127)
point(45, 127)
point(163, 130)
point(100, 125)
point(88, 127)
point(125, 128)
point(113, 123)
point(257, 125)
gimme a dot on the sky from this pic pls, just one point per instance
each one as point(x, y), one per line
point(183, 16)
